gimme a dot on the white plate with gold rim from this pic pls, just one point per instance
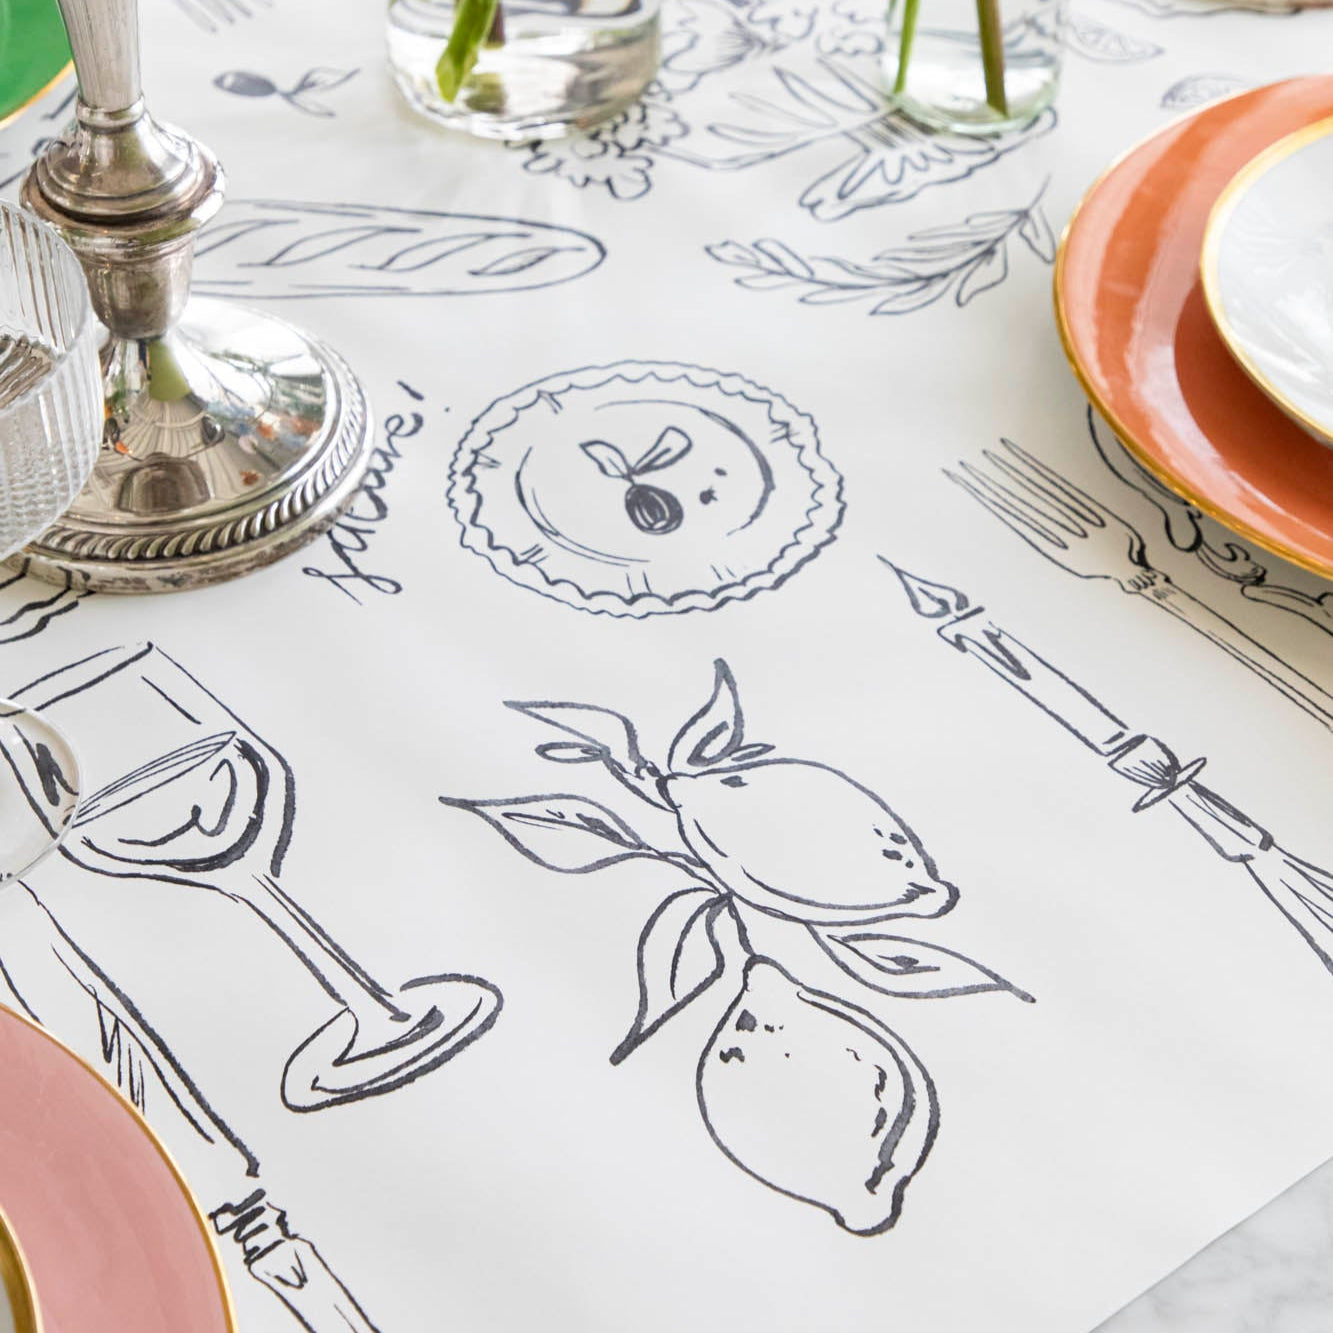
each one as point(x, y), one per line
point(1267, 271)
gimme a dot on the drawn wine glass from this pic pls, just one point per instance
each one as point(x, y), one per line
point(190, 795)
point(50, 431)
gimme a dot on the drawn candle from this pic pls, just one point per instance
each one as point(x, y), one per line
point(1301, 890)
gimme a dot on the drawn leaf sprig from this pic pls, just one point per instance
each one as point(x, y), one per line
point(965, 259)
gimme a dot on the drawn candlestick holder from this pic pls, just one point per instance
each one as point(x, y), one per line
point(230, 438)
point(197, 799)
point(1299, 889)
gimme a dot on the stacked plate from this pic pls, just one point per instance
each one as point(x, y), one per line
point(98, 1230)
point(1194, 294)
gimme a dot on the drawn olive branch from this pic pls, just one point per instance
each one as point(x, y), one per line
point(964, 259)
point(851, 873)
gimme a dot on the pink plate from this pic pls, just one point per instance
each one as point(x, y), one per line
point(111, 1236)
point(1131, 311)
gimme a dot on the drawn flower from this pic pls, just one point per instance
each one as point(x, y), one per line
point(617, 156)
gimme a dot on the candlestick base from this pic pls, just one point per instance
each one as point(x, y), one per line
point(230, 441)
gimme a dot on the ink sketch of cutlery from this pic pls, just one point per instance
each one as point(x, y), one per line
point(1083, 536)
point(1185, 530)
point(1301, 890)
point(57, 984)
point(214, 15)
point(246, 83)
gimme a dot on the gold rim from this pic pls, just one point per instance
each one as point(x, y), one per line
point(228, 1310)
point(65, 71)
point(1218, 218)
point(16, 1281)
point(1160, 470)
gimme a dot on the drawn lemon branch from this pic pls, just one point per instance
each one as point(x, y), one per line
point(806, 1090)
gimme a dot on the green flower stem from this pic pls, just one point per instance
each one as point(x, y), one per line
point(992, 54)
point(910, 8)
point(475, 22)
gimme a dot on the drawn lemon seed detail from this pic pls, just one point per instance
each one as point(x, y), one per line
point(817, 1099)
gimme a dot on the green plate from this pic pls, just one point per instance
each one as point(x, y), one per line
point(34, 52)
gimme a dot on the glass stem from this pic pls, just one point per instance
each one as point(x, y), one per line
point(910, 8)
point(337, 972)
point(992, 54)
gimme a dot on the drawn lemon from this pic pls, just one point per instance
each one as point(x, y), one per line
point(817, 1099)
point(805, 841)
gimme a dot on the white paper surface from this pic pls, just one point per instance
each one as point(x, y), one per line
point(1166, 1081)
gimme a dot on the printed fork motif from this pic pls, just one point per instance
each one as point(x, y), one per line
point(1084, 537)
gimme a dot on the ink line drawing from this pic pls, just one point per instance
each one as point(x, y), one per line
point(349, 538)
point(962, 260)
point(1084, 537)
point(200, 800)
point(59, 985)
point(1187, 530)
point(644, 487)
point(821, 98)
point(808, 1090)
point(271, 249)
point(215, 15)
point(1299, 889)
point(1171, 9)
point(1185, 94)
point(1104, 45)
point(246, 83)
point(39, 605)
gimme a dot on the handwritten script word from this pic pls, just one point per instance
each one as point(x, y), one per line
point(349, 538)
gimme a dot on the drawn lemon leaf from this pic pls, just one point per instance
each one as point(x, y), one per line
point(895, 965)
point(561, 832)
point(715, 731)
point(609, 731)
point(678, 958)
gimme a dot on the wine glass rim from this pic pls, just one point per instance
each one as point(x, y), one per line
point(85, 322)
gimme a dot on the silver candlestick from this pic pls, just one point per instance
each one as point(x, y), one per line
point(231, 437)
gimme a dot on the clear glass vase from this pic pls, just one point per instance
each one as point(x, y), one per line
point(938, 73)
point(551, 66)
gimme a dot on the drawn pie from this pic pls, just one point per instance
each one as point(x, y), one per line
point(645, 487)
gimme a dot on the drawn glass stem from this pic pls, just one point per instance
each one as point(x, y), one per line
point(203, 802)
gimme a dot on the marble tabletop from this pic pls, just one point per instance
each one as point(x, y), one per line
point(1271, 1274)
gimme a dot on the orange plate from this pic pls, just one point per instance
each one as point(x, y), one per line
point(112, 1238)
point(1131, 311)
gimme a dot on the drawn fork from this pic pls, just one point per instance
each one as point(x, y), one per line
point(1083, 536)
